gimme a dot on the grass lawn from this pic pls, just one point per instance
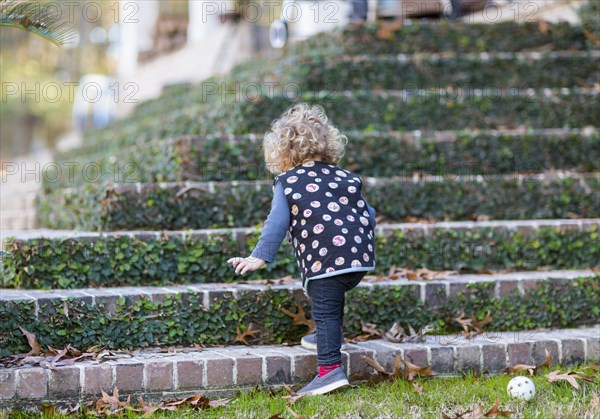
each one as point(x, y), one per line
point(400, 399)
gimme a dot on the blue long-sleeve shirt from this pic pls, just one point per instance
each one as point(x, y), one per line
point(277, 224)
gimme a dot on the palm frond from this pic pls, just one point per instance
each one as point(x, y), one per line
point(30, 16)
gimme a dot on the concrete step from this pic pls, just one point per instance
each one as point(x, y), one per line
point(157, 375)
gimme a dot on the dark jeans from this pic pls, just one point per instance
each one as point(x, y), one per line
point(327, 298)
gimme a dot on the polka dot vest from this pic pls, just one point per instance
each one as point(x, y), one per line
point(330, 223)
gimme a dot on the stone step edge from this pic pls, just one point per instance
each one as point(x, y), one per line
point(524, 226)
point(211, 186)
point(420, 135)
point(429, 291)
point(433, 57)
point(225, 370)
point(414, 136)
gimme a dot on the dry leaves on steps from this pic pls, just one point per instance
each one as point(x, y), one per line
point(471, 326)
point(479, 412)
point(276, 281)
point(532, 369)
point(397, 334)
point(299, 318)
point(241, 336)
point(53, 358)
point(571, 377)
point(415, 274)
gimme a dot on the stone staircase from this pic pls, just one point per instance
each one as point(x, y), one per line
point(497, 197)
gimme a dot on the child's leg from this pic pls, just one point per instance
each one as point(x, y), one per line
point(351, 280)
point(327, 298)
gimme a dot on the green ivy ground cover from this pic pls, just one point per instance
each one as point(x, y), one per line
point(421, 72)
point(248, 112)
point(221, 158)
point(424, 37)
point(135, 261)
point(183, 321)
point(240, 204)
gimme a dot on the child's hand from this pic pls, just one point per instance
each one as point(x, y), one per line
point(243, 265)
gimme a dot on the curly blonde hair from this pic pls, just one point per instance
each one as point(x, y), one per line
point(302, 134)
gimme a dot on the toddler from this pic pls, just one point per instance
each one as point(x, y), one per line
point(330, 224)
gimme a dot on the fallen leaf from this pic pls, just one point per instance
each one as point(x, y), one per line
point(36, 348)
point(471, 326)
point(595, 401)
point(546, 363)
point(571, 377)
point(370, 329)
point(418, 388)
point(291, 399)
point(395, 334)
point(241, 336)
point(386, 32)
point(294, 414)
point(290, 390)
point(518, 368)
point(219, 402)
point(372, 362)
point(495, 410)
point(299, 318)
point(411, 371)
point(397, 371)
point(590, 36)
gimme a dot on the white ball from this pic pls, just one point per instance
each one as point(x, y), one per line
point(521, 387)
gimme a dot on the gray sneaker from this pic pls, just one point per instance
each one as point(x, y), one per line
point(310, 342)
point(329, 382)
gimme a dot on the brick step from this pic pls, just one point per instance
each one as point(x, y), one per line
point(430, 291)
point(224, 371)
point(441, 109)
point(462, 245)
point(124, 315)
point(242, 233)
point(204, 158)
